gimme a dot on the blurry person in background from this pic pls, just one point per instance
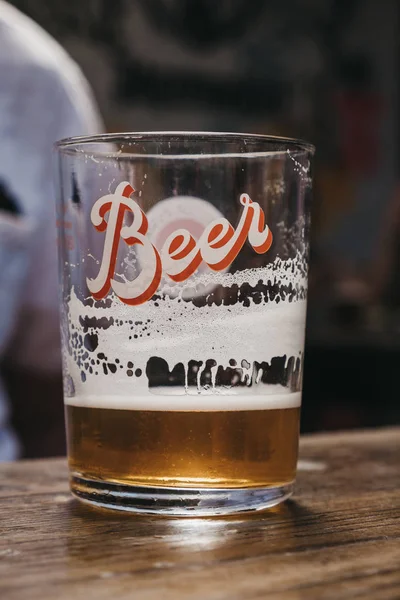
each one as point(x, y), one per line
point(43, 97)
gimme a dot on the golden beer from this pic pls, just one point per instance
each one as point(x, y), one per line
point(186, 449)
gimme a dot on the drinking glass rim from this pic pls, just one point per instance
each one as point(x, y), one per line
point(72, 145)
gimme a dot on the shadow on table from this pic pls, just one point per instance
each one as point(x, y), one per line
point(114, 543)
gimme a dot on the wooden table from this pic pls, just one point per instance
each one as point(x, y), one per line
point(338, 538)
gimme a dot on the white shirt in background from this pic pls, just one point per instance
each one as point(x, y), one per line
point(43, 98)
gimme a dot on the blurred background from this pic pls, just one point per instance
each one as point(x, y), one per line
point(323, 70)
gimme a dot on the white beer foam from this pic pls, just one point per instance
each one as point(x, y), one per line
point(179, 332)
point(167, 399)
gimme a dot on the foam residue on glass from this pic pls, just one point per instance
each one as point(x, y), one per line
point(251, 317)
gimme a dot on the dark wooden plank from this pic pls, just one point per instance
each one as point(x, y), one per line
point(337, 539)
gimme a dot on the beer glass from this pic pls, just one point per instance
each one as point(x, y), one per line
point(183, 262)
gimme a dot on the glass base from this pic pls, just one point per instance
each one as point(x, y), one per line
point(182, 502)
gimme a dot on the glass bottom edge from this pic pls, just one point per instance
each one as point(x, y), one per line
point(177, 501)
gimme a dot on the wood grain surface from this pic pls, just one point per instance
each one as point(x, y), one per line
point(338, 538)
